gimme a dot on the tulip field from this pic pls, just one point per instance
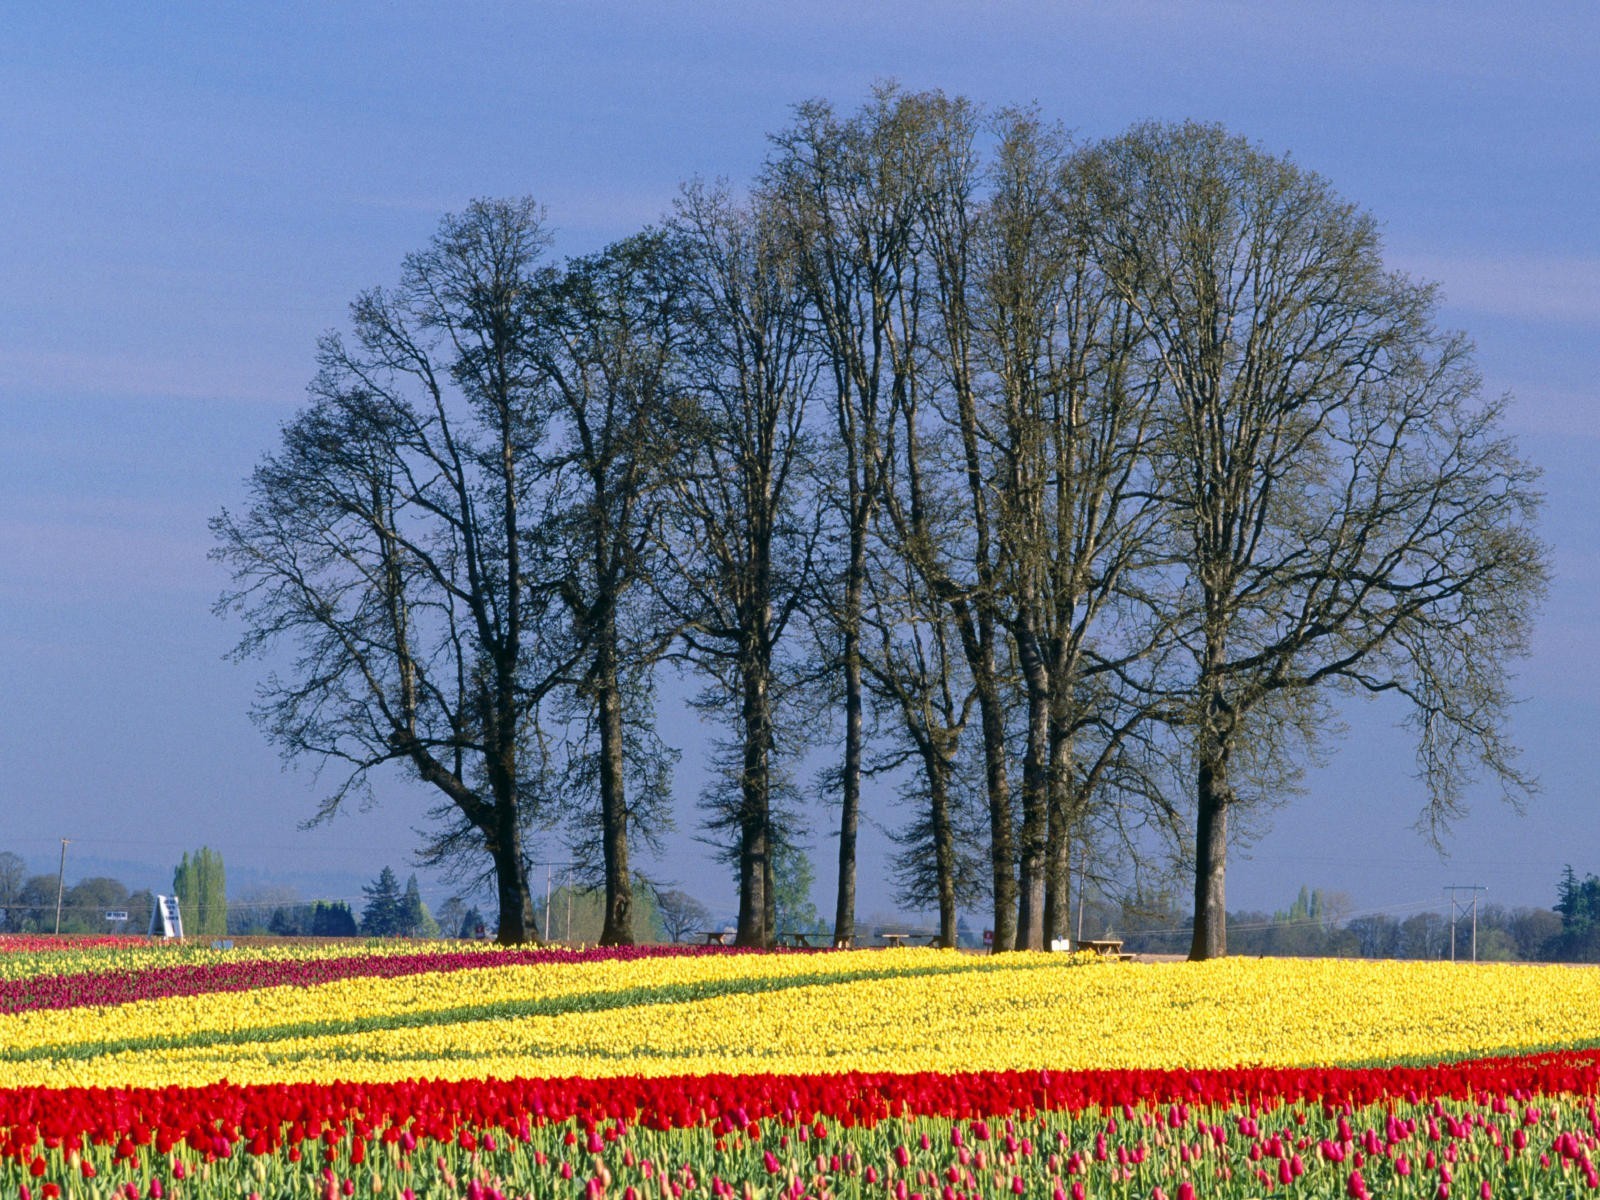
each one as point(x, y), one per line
point(418, 1070)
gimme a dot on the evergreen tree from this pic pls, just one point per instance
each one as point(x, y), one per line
point(283, 923)
point(415, 919)
point(471, 923)
point(382, 917)
point(1578, 903)
point(332, 919)
point(201, 888)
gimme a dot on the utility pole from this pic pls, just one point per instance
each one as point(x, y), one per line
point(1083, 879)
point(61, 875)
point(1458, 905)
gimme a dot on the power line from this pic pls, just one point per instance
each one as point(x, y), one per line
point(1407, 906)
point(1452, 892)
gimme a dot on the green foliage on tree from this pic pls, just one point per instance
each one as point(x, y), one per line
point(1307, 907)
point(792, 877)
point(332, 920)
point(381, 917)
point(201, 888)
point(472, 924)
point(1578, 902)
point(84, 906)
point(13, 873)
point(577, 914)
point(415, 919)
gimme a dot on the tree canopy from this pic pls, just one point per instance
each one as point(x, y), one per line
point(1071, 485)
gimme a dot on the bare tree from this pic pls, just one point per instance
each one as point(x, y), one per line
point(1039, 378)
point(388, 539)
point(681, 913)
point(1350, 513)
point(965, 572)
point(744, 547)
point(850, 192)
point(914, 670)
point(604, 347)
point(1071, 422)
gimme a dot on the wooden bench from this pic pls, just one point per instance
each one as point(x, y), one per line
point(894, 939)
point(716, 937)
point(802, 941)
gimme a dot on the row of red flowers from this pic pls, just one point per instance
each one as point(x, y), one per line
point(264, 1117)
point(101, 988)
point(35, 943)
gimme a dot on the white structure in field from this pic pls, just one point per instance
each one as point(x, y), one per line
point(166, 921)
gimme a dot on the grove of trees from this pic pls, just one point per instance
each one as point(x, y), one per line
point(201, 885)
point(393, 912)
point(28, 902)
point(1069, 485)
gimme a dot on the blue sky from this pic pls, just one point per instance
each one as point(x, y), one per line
point(193, 192)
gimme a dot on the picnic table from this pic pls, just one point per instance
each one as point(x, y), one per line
point(717, 937)
point(1107, 947)
point(894, 939)
point(802, 941)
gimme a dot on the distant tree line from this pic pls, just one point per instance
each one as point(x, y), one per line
point(389, 911)
point(28, 902)
point(1317, 924)
point(28, 905)
point(1062, 487)
point(1322, 925)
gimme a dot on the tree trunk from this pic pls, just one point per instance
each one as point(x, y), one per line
point(756, 898)
point(1058, 867)
point(978, 644)
point(617, 929)
point(944, 850)
point(754, 853)
point(517, 923)
point(1210, 859)
point(1066, 807)
point(1035, 798)
point(844, 915)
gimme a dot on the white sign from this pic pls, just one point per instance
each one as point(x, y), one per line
point(166, 920)
point(117, 914)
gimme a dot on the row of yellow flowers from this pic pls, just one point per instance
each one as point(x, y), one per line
point(142, 954)
point(606, 983)
point(900, 1010)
